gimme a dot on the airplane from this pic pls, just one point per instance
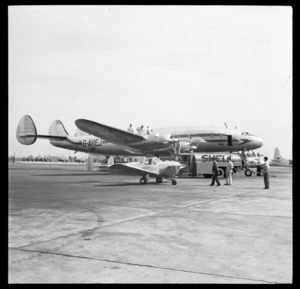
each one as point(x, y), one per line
point(156, 168)
point(27, 134)
point(280, 161)
point(98, 139)
point(173, 141)
point(251, 160)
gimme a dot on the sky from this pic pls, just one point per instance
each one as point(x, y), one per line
point(151, 65)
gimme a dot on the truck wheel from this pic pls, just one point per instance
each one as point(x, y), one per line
point(248, 173)
point(221, 173)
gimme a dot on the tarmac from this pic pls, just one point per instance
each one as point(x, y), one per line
point(68, 225)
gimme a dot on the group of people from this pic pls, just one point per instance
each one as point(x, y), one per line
point(229, 169)
point(139, 130)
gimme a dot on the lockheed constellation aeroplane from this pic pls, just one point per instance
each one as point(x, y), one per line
point(105, 140)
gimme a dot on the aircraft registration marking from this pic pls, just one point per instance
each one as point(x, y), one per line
point(91, 143)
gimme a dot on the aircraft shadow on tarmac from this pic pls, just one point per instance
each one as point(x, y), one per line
point(127, 184)
point(67, 175)
point(99, 184)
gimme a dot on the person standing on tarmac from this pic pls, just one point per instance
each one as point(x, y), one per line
point(215, 172)
point(265, 168)
point(229, 168)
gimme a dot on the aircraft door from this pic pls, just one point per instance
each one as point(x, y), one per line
point(229, 140)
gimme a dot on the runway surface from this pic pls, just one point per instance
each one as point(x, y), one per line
point(68, 225)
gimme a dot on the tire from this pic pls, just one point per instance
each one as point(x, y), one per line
point(158, 180)
point(142, 181)
point(174, 182)
point(221, 173)
point(248, 173)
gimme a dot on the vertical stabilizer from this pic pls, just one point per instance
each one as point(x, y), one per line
point(110, 161)
point(57, 129)
point(26, 131)
point(79, 132)
point(277, 155)
point(155, 161)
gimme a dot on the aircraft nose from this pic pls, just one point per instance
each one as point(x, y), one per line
point(259, 142)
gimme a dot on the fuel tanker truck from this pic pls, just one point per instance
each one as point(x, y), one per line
point(200, 164)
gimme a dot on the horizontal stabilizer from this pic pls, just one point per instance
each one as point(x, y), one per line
point(27, 134)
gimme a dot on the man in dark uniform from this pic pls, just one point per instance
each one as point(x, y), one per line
point(215, 172)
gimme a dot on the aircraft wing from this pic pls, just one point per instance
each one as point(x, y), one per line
point(133, 169)
point(108, 133)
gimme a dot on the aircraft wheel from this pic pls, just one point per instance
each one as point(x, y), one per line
point(158, 180)
point(174, 182)
point(142, 181)
point(248, 173)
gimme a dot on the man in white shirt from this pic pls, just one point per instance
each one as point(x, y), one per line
point(265, 168)
point(229, 168)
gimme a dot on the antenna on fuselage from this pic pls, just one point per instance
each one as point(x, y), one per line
point(225, 124)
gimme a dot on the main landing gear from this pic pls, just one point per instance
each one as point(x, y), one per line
point(144, 179)
point(159, 180)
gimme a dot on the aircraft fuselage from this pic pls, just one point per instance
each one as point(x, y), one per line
point(91, 144)
point(200, 139)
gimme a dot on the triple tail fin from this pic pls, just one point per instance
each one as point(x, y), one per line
point(79, 132)
point(27, 134)
point(26, 131)
point(57, 129)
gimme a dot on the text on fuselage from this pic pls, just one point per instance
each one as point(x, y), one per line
point(91, 143)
